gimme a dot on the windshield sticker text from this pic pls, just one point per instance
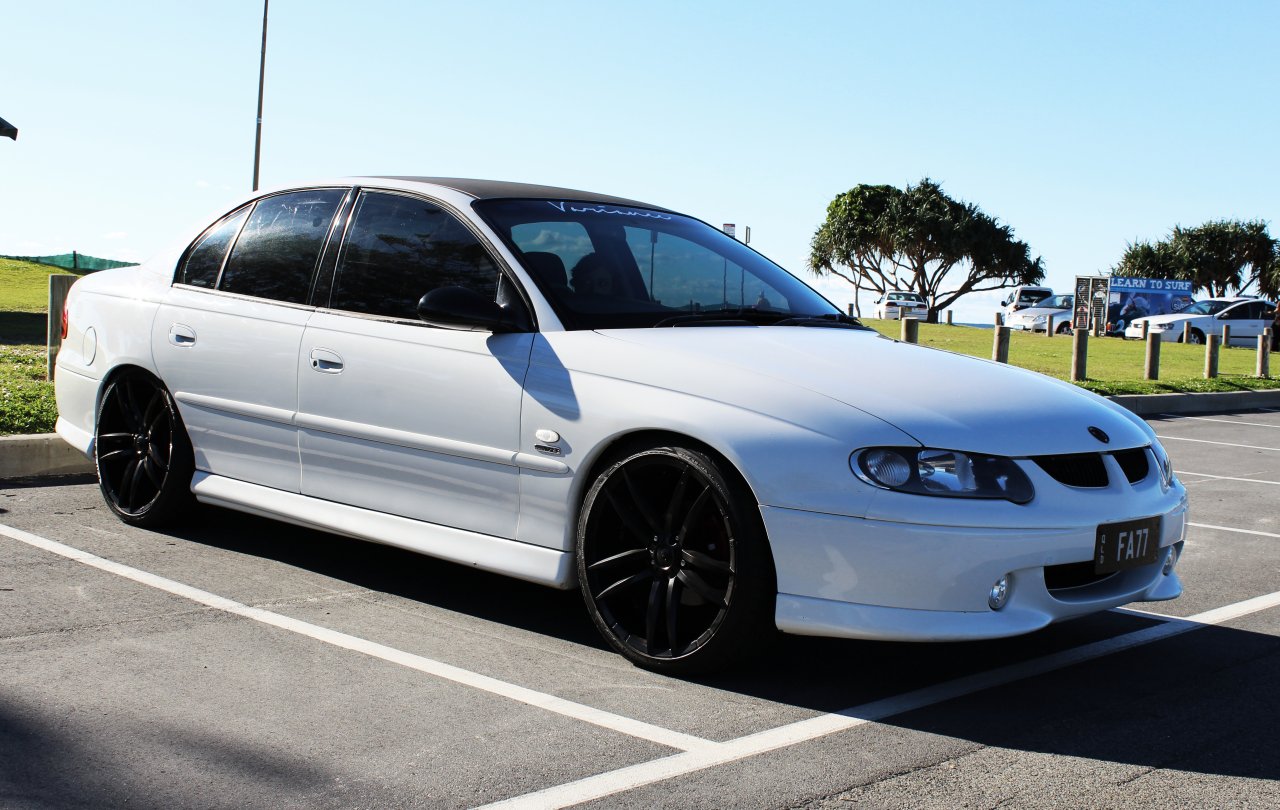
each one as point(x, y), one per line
point(567, 208)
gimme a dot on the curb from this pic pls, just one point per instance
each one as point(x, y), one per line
point(1210, 402)
point(46, 454)
point(40, 455)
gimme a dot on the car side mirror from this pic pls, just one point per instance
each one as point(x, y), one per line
point(461, 308)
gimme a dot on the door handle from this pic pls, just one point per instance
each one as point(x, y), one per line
point(182, 335)
point(326, 361)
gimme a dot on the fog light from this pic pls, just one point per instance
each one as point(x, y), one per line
point(1170, 560)
point(999, 593)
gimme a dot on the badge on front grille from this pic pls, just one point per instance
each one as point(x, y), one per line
point(1099, 434)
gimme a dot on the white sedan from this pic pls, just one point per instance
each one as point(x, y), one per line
point(1036, 319)
point(1247, 317)
point(586, 391)
point(899, 305)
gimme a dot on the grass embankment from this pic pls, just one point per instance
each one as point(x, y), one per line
point(26, 399)
point(1115, 365)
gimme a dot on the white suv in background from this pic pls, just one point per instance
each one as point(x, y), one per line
point(1247, 317)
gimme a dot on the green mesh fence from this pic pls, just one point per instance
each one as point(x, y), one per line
point(73, 261)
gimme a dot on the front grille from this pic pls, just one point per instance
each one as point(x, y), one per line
point(1134, 463)
point(1075, 469)
point(1071, 575)
point(1089, 470)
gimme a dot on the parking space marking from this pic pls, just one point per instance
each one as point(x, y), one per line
point(1225, 478)
point(647, 773)
point(1229, 529)
point(551, 703)
point(1224, 421)
point(1206, 441)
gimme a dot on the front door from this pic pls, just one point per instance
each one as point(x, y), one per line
point(397, 416)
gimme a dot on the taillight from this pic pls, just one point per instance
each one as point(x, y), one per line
point(65, 304)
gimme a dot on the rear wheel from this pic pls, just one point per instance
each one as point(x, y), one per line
point(143, 456)
point(673, 562)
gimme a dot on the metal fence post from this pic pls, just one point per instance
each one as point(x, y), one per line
point(1000, 345)
point(1079, 354)
point(1210, 356)
point(1151, 370)
point(58, 287)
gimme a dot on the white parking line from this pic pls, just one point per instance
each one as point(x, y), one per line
point(1224, 421)
point(1206, 441)
point(646, 773)
point(577, 711)
point(1224, 478)
point(1229, 529)
point(697, 753)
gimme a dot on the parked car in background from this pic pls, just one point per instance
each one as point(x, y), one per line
point(1247, 317)
point(1036, 319)
point(898, 305)
point(1024, 296)
point(590, 392)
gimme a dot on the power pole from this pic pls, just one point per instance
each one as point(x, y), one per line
point(262, 76)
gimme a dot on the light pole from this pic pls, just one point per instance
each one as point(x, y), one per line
point(262, 75)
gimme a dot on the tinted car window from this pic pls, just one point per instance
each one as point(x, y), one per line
point(607, 266)
point(400, 248)
point(204, 261)
point(280, 244)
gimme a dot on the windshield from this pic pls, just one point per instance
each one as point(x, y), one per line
point(609, 266)
point(1057, 302)
point(1206, 307)
point(913, 298)
point(1033, 296)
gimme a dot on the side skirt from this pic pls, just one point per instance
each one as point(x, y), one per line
point(544, 566)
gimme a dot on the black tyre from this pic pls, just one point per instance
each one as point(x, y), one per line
point(142, 452)
point(673, 561)
point(1197, 337)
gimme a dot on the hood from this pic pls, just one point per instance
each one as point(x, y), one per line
point(941, 399)
point(1034, 312)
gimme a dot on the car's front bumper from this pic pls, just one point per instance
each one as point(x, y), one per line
point(874, 579)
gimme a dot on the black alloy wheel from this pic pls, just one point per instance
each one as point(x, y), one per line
point(673, 563)
point(142, 451)
point(1196, 338)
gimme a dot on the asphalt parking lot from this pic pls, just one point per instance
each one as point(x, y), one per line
point(246, 663)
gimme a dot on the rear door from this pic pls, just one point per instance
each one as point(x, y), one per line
point(226, 340)
point(1247, 320)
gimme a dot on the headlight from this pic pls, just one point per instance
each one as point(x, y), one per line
point(945, 473)
point(1163, 464)
point(1038, 319)
point(1159, 327)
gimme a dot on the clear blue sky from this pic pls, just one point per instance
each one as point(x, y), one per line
point(1083, 125)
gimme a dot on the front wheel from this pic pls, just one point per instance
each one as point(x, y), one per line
point(673, 561)
point(1196, 338)
point(142, 452)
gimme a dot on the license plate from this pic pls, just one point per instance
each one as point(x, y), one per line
point(1124, 545)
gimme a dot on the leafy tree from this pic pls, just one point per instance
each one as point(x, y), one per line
point(1216, 257)
point(883, 238)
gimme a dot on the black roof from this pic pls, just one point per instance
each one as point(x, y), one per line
point(501, 189)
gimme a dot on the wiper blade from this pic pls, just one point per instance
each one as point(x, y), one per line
point(831, 319)
point(741, 316)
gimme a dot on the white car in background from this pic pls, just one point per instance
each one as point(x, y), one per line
point(590, 392)
point(1247, 317)
point(1036, 319)
point(1024, 296)
point(898, 305)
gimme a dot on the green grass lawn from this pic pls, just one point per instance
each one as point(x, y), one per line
point(1115, 365)
point(26, 398)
